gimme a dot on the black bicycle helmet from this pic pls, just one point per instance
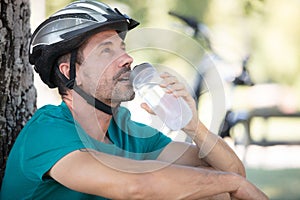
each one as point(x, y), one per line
point(68, 28)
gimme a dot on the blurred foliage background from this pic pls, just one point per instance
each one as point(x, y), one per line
point(267, 30)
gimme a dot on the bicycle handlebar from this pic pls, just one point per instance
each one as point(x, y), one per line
point(191, 22)
point(199, 28)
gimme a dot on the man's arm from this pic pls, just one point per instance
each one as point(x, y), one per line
point(216, 152)
point(209, 150)
point(221, 156)
point(182, 153)
point(120, 178)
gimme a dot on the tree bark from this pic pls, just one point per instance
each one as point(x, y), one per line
point(18, 94)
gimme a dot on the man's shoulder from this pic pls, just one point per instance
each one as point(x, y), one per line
point(53, 112)
point(49, 117)
point(47, 124)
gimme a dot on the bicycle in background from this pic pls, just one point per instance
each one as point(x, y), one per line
point(211, 59)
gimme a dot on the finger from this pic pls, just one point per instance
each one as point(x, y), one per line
point(165, 74)
point(177, 90)
point(173, 85)
point(147, 108)
point(168, 80)
point(176, 87)
point(178, 93)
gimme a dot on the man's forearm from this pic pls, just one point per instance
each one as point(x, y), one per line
point(181, 182)
point(120, 178)
point(214, 151)
point(171, 181)
point(160, 180)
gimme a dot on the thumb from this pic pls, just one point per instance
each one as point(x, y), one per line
point(147, 108)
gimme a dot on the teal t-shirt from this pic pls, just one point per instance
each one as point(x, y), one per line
point(52, 133)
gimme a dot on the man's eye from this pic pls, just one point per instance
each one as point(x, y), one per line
point(106, 50)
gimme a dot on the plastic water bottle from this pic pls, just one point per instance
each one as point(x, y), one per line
point(173, 111)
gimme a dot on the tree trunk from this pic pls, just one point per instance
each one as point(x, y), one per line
point(18, 95)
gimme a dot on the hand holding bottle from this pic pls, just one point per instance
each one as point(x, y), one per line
point(164, 95)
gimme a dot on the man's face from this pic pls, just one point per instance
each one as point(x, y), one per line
point(105, 71)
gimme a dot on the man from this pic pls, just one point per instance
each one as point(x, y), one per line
point(87, 147)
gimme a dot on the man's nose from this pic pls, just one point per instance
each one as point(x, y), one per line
point(125, 60)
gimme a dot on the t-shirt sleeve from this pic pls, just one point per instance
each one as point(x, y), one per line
point(45, 144)
point(157, 141)
point(151, 140)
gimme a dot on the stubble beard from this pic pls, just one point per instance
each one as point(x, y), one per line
point(123, 94)
point(117, 95)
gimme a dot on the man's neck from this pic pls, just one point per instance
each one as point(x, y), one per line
point(94, 122)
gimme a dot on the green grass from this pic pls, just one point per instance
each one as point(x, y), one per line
point(283, 184)
point(277, 183)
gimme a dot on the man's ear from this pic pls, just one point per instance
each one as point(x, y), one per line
point(64, 68)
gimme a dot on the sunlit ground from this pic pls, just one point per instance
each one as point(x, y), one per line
point(275, 170)
point(278, 184)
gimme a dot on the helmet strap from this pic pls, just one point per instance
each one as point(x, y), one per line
point(71, 84)
point(93, 101)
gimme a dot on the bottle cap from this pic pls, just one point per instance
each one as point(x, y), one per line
point(138, 74)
